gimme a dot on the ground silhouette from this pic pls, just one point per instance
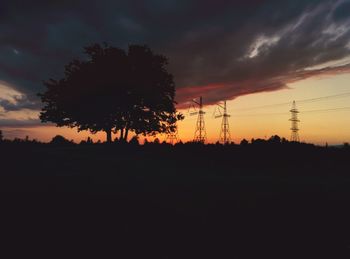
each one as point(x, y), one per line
point(264, 198)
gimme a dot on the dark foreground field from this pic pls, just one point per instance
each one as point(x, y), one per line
point(191, 201)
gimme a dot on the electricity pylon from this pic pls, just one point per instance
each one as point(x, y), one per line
point(295, 121)
point(172, 137)
point(221, 111)
point(199, 133)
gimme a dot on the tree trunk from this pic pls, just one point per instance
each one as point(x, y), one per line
point(109, 135)
point(121, 134)
point(126, 134)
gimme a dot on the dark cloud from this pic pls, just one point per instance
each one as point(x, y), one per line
point(15, 123)
point(220, 49)
point(19, 103)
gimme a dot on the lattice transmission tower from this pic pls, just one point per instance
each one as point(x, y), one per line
point(173, 137)
point(199, 133)
point(295, 121)
point(221, 111)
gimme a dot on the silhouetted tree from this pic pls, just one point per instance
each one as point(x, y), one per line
point(60, 140)
point(113, 90)
point(134, 141)
point(244, 142)
point(258, 141)
point(88, 141)
point(1, 136)
point(275, 139)
point(284, 141)
point(180, 143)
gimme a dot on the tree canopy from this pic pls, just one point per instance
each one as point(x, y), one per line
point(113, 90)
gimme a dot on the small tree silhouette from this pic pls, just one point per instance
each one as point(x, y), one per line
point(60, 140)
point(1, 136)
point(113, 90)
point(275, 139)
point(134, 141)
point(244, 142)
point(89, 141)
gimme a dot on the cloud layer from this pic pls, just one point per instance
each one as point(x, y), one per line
point(219, 49)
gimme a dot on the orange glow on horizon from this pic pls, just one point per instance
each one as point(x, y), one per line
point(319, 128)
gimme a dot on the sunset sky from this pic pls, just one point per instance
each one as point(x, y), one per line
point(260, 55)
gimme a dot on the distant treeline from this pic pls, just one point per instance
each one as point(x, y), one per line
point(60, 140)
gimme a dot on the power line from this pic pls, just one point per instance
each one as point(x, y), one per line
point(285, 113)
point(310, 100)
point(324, 98)
point(260, 114)
point(263, 106)
point(327, 110)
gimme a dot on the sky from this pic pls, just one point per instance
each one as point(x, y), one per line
point(252, 53)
